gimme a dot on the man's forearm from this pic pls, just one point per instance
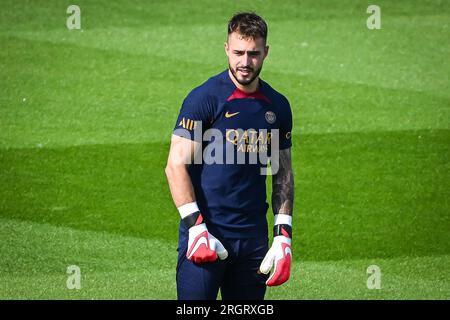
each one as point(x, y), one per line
point(283, 185)
point(180, 185)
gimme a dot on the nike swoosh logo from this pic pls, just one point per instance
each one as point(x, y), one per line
point(229, 115)
point(199, 242)
point(287, 251)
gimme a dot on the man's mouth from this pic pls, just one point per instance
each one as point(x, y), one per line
point(245, 72)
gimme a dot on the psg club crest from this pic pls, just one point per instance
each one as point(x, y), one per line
point(270, 117)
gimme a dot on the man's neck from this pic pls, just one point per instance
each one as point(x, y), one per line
point(250, 88)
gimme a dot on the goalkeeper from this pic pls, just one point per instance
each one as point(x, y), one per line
point(223, 231)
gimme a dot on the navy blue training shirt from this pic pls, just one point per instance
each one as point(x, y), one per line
point(232, 196)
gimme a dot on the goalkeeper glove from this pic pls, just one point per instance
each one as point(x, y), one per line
point(202, 246)
point(279, 256)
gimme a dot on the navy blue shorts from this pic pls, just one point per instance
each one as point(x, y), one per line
point(237, 276)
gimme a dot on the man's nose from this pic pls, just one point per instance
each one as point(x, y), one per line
point(247, 59)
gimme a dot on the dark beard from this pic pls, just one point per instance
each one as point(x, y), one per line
point(245, 82)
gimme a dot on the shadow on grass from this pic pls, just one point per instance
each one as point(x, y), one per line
point(358, 195)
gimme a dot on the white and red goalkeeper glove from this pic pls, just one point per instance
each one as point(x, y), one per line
point(279, 256)
point(202, 246)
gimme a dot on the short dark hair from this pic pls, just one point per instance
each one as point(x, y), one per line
point(248, 24)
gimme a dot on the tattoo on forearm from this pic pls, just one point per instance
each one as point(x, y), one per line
point(283, 185)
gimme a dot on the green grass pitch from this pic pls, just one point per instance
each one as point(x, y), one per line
point(86, 117)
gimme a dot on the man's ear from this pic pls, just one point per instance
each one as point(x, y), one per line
point(226, 48)
point(266, 51)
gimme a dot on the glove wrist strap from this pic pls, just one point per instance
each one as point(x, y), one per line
point(194, 219)
point(282, 230)
point(190, 214)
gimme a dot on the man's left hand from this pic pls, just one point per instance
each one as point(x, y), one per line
point(278, 258)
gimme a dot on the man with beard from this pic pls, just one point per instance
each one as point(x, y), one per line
point(223, 236)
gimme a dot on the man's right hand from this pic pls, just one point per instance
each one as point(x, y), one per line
point(204, 247)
